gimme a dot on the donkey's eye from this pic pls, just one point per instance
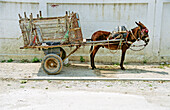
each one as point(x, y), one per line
point(146, 30)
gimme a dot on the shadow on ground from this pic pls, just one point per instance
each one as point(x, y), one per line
point(131, 71)
point(103, 71)
point(71, 71)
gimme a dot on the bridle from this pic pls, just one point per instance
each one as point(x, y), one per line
point(141, 37)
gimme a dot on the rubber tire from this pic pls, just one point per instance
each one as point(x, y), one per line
point(52, 70)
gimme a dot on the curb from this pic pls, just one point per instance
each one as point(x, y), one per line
point(96, 79)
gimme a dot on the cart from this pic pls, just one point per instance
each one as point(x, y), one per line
point(51, 34)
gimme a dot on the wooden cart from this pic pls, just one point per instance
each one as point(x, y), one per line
point(51, 34)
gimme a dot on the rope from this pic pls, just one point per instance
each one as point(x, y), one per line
point(135, 45)
point(138, 46)
point(133, 35)
point(139, 49)
point(119, 46)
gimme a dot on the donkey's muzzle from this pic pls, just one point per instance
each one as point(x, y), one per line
point(146, 40)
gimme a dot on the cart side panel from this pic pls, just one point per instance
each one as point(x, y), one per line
point(52, 29)
point(76, 34)
point(65, 30)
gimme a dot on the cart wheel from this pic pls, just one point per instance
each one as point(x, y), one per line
point(52, 64)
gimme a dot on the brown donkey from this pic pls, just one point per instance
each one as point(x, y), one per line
point(137, 33)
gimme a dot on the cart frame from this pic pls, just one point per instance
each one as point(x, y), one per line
point(68, 34)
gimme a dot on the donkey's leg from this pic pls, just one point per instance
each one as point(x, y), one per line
point(124, 48)
point(92, 55)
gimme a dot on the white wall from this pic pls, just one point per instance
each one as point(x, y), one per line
point(94, 15)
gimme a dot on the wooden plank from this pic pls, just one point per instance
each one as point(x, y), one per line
point(58, 38)
point(40, 14)
point(73, 29)
point(104, 41)
point(53, 36)
point(48, 23)
point(75, 23)
point(20, 17)
point(25, 15)
point(53, 26)
point(48, 31)
point(49, 20)
point(49, 27)
point(77, 47)
point(37, 37)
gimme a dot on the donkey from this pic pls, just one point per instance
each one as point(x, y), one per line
point(137, 33)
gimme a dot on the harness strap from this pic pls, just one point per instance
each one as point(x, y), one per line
point(129, 42)
point(127, 34)
point(133, 35)
point(109, 36)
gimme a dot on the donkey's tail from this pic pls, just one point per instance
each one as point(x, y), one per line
point(91, 49)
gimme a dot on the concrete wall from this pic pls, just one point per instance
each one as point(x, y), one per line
point(94, 15)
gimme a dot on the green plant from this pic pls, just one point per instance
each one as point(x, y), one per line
point(3, 61)
point(115, 64)
point(49, 81)
point(67, 65)
point(22, 86)
point(150, 85)
point(87, 85)
point(35, 60)
point(161, 66)
point(68, 87)
point(145, 61)
point(23, 81)
point(10, 60)
point(165, 64)
point(82, 59)
point(24, 61)
point(168, 65)
point(8, 84)
point(109, 85)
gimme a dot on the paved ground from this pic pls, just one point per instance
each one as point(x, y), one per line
point(92, 95)
point(74, 100)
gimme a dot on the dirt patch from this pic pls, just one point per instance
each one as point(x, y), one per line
point(32, 70)
point(155, 92)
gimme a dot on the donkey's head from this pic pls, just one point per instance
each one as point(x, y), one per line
point(143, 32)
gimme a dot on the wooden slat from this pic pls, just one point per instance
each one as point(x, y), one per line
point(52, 35)
point(47, 31)
point(59, 38)
point(49, 18)
point(49, 27)
point(73, 29)
point(49, 21)
point(52, 25)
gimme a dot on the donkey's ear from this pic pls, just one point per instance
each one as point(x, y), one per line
point(137, 23)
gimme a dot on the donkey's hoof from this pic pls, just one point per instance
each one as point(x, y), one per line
point(93, 68)
point(122, 68)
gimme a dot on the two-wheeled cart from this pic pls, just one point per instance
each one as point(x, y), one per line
point(51, 34)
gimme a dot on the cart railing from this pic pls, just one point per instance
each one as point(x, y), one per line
point(65, 29)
